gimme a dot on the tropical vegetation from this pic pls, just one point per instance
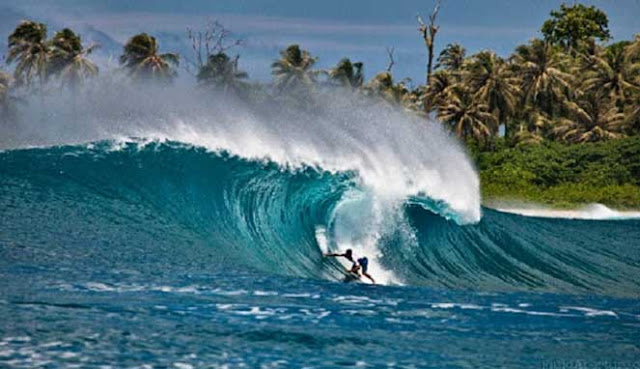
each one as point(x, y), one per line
point(222, 73)
point(560, 175)
point(6, 103)
point(30, 50)
point(142, 60)
point(293, 70)
point(569, 93)
point(69, 59)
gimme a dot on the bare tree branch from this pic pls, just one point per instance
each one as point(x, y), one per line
point(214, 38)
point(391, 61)
point(434, 14)
point(428, 33)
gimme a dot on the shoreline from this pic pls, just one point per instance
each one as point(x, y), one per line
point(577, 211)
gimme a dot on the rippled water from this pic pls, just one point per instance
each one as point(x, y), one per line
point(124, 319)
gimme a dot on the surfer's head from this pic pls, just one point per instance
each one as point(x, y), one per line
point(348, 253)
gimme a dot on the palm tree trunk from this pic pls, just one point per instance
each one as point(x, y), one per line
point(430, 63)
point(41, 80)
point(74, 101)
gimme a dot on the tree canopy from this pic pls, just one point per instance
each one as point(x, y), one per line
point(573, 25)
point(141, 57)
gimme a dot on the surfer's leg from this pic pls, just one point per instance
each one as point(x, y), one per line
point(368, 276)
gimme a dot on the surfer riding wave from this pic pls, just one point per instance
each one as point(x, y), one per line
point(359, 266)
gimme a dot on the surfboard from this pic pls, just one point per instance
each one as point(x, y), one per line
point(352, 277)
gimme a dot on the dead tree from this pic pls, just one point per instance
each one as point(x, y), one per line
point(428, 33)
point(211, 40)
point(391, 61)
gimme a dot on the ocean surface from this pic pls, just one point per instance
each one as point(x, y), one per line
point(161, 254)
point(158, 228)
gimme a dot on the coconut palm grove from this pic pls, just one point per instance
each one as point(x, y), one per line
point(528, 117)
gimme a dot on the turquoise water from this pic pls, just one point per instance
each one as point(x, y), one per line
point(167, 255)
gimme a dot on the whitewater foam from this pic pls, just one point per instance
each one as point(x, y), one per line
point(394, 156)
point(591, 211)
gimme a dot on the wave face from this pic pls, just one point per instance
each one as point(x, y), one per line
point(278, 219)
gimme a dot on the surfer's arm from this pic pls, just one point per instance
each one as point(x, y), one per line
point(334, 254)
point(368, 276)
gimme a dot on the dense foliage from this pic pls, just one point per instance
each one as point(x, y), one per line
point(564, 175)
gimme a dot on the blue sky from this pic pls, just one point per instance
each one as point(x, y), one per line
point(330, 29)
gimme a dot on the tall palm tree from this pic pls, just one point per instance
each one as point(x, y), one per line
point(221, 72)
point(293, 69)
point(69, 58)
point(144, 62)
point(541, 67)
point(347, 74)
point(28, 47)
point(493, 84)
point(590, 119)
point(466, 117)
point(612, 74)
point(442, 82)
point(451, 57)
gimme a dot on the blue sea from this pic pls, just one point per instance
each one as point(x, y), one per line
point(160, 229)
point(167, 255)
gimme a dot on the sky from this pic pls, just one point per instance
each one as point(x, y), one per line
point(330, 29)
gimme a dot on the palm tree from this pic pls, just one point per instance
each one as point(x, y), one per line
point(467, 118)
point(28, 47)
point(223, 73)
point(5, 82)
point(612, 74)
point(293, 69)
point(144, 62)
point(442, 82)
point(632, 52)
point(347, 74)
point(540, 66)
point(493, 84)
point(451, 57)
point(591, 119)
point(414, 101)
point(69, 58)
point(382, 85)
point(532, 126)
point(7, 102)
point(631, 124)
point(524, 137)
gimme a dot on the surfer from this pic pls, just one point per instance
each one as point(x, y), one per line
point(358, 265)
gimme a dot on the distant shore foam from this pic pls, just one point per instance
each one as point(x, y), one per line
point(591, 211)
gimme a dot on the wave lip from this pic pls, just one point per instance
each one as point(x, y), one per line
point(393, 154)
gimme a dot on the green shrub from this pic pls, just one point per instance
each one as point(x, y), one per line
point(564, 175)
